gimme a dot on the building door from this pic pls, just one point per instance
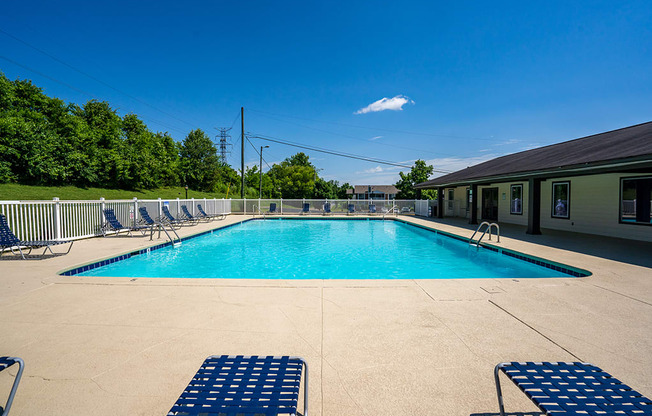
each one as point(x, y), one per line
point(469, 198)
point(490, 204)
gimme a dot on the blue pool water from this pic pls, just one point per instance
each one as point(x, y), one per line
point(324, 249)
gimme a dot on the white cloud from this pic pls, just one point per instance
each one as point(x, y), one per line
point(394, 104)
point(507, 142)
point(376, 169)
point(376, 138)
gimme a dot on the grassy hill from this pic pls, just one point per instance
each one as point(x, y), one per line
point(15, 192)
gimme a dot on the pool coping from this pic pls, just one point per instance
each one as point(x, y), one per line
point(570, 271)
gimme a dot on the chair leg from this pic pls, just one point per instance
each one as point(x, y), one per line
point(10, 400)
point(499, 392)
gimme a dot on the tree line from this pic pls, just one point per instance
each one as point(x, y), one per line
point(45, 141)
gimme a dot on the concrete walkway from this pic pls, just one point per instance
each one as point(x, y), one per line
point(107, 346)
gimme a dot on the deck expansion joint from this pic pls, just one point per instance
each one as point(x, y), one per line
point(535, 330)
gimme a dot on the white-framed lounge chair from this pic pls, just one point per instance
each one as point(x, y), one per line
point(372, 208)
point(6, 362)
point(572, 389)
point(350, 209)
point(230, 385)
point(306, 208)
point(8, 240)
point(327, 208)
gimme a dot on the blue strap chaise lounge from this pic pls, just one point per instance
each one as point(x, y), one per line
point(237, 385)
point(8, 240)
point(572, 389)
point(168, 219)
point(188, 216)
point(112, 223)
point(203, 213)
point(6, 362)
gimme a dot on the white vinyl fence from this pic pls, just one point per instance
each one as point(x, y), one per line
point(338, 206)
point(71, 220)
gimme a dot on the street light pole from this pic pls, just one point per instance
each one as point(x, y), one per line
point(260, 189)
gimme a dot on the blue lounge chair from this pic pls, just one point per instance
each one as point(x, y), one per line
point(327, 208)
point(147, 220)
point(372, 208)
point(306, 208)
point(6, 362)
point(9, 240)
point(231, 385)
point(272, 208)
point(188, 216)
point(169, 219)
point(572, 389)
point(111, 223)
point(203, 214)
point(351, 208)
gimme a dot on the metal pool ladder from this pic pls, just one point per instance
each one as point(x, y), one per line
point(162, 227)
point(390, 210)
point(489, 227)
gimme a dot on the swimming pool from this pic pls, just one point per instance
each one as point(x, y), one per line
point(325, 249)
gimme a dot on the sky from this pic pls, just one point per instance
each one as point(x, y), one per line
point(452, 83)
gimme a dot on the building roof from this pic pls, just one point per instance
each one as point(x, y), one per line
point(604, 149)
point(361, 189)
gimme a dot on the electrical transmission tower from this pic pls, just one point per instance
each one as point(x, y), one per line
point(224, 145)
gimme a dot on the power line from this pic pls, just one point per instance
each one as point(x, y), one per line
point(80, 90)
point(326, 150)
point(257, 152)
point(412, 133)
point(48, 77)
point(358, 139)
point(93, 78)
point(234, 120)
point(336, 153)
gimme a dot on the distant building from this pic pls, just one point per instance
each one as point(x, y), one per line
point(600, 184)
point(384, 192)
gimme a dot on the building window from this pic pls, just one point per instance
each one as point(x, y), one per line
point(561, 199)
point(451, 194)
point(516, 200)
point(636, 200)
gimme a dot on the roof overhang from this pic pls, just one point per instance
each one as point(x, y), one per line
point(623, 165)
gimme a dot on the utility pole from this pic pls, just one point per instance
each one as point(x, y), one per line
point(242, 170)
point(260, 189)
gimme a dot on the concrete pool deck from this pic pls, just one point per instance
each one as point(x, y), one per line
point(96, 345)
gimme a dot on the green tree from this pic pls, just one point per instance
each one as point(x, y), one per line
point(200, 164)
point(419, 173)
point(294, 177)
